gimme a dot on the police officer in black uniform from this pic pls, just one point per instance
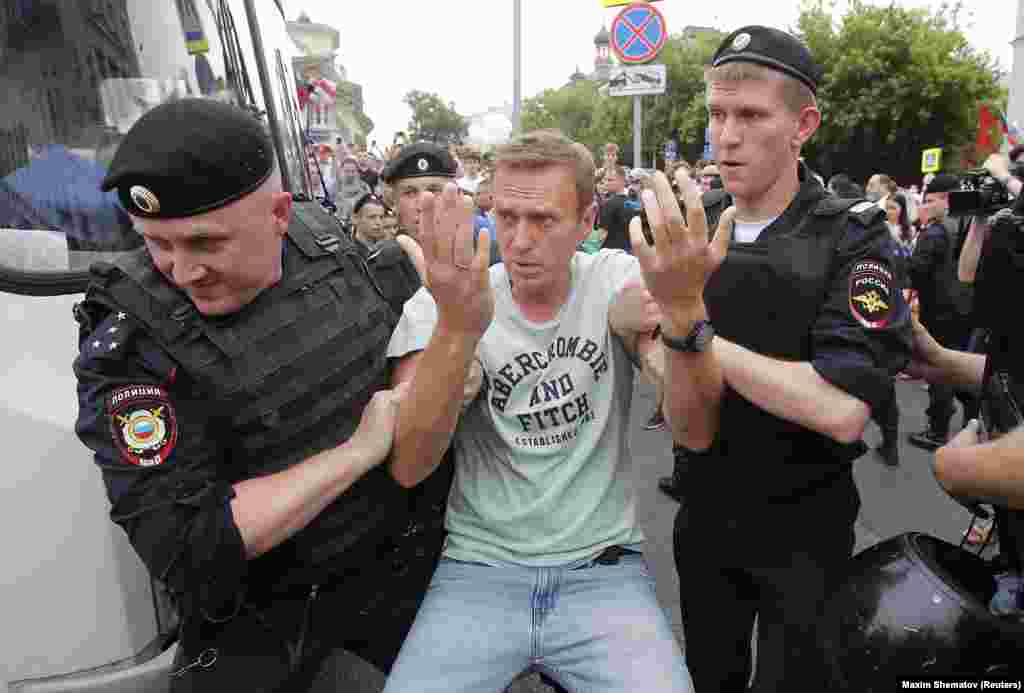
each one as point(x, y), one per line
point(416, 168)
point(232, 385)
point(784, 339)
point(896, 587)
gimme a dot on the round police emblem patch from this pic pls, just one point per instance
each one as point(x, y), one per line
point(423, 164)
point(871, 291)
point(741, 42)
point(144, 199)
point(143, 424)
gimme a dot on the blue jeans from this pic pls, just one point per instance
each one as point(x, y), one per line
point(592, 628)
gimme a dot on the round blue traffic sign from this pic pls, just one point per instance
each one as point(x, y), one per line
point(638, 33)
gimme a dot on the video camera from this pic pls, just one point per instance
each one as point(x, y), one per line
point(981, 194)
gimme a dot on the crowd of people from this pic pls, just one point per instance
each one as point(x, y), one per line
point(397, 422)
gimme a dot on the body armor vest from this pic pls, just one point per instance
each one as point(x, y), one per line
point(765, 297)
point(290, 374)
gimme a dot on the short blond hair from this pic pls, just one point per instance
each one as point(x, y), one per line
point(542, 148)
point(795, 94)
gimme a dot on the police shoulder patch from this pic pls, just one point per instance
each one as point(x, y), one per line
point(871, 293)
point(143, 424)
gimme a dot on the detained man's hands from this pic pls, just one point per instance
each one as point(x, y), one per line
point(677, 267)
point(455, 274)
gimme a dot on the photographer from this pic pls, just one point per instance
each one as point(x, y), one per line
point(1000, 169)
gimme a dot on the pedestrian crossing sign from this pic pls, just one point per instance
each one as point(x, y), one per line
point(931, 160)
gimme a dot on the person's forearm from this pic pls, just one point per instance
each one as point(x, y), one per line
point(959, 369)
point(970, 254)
point(270, 509)
point(693, 387)
point(431, 408)
point(793, 391)
point(990, 472)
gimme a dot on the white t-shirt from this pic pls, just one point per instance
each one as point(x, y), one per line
point(747, 232)
point(543, 473)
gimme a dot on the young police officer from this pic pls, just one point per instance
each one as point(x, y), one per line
point(232, 383)
point(418, 167)
point(810, 329)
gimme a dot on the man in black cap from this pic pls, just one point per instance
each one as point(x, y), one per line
point(780, 336)
point(945, 302)
point(416, 168)
point(232, 384)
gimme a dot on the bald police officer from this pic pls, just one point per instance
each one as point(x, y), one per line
point(793, 329)
point(233, 386)
point(418, 167)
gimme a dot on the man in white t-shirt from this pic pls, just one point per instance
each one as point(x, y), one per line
point(543, 566)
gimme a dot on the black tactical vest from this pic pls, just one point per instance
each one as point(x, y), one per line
point(766, 297)
point(290, 374)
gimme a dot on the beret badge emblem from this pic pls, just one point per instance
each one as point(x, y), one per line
point(144, 199)
point(741, 42)
point(422, 164)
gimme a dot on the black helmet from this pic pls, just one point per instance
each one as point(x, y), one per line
point(917, 606)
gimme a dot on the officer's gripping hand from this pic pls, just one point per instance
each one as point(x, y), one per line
point(678, 265)
point(376, 431)
point(456, 274)
point(634, 310)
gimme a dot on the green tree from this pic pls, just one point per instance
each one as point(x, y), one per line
point(434, 121)
point(897, 81)
point(570, 109)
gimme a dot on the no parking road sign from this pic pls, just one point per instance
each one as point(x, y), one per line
point(638, 33)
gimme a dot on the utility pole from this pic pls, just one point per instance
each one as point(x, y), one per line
point(517, 53)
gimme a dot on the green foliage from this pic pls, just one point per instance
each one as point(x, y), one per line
point(897, 81)
point(434, 121)
point(570, 109)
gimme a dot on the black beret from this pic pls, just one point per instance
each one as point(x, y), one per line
point(771, 48)
point(942, 182)
point(417, 160)
point(190, 156)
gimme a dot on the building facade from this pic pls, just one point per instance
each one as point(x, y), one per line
point(345, 119)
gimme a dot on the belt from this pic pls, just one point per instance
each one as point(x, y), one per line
point(609, 556)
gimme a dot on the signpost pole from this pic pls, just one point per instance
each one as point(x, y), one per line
point(637, 130)
point(517, 21)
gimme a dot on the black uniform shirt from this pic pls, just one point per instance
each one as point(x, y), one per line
point(855, 357)
point(616, 213)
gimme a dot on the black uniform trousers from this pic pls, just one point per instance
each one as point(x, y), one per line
point(776, 562)
point(285, 642)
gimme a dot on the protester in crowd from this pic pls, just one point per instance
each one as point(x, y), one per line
point(473, 176)
point(879, 188)
point(616, 210)
point(350, 187)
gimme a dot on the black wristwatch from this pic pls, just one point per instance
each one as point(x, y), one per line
point(694, 343)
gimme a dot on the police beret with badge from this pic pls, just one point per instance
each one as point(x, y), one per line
point(190, 156)
point(773, 49)
point(417, 160)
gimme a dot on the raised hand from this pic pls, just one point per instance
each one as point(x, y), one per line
point(678, 265)
point(456, 274)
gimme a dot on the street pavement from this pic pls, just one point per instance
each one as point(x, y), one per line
point(894, 500)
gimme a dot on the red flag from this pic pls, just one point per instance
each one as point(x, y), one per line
point(986, 143)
